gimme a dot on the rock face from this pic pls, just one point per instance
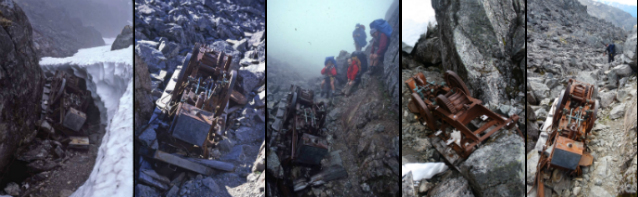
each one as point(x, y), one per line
point(427, 49)
point(496, 169)
point(391, 61)
point(20, 80)
point(55, 33)
point(630, 49)
point(143, 100)
point(484, 42)
point(454, 185)
point(123, 40)
point(609, 13)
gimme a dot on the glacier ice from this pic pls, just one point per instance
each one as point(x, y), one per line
point(109, 77)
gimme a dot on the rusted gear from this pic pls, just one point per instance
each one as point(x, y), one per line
point(424, 111)
point(445, 104)
point(412, 107)
point(453, 80)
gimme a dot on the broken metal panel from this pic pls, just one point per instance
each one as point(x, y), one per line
point(311, 150)
point(74, 119)
point(180, 162)
point(79, 142)
point(191, 124)
point(567, 153)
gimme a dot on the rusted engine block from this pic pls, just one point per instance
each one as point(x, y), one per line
point(573, 118)
point(451, 104)
point(202, 94)
point(66, 104)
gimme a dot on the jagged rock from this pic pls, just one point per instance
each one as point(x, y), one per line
point(478, 41)
point(617, 112)
point(238, 153)
point(427, 49)
point(274, 165)
point(496, 169)
point(540, 90)
point(20, 80)
point(541, 113)
point(144, 190)
point(124, 39)
point(532, 162)
point(454, 185)
point(169, 49)
point(153, 58)
point(391, 73)
point(253, 76)
point(609, 13)
point(143, 100)
point(408, 186)
point(630, 49)
point(260, 162)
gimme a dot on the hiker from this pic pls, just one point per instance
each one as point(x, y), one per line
point(381, 32)
point(329, 72)
point(353, 71)
point(359, 35)
point(611, 49)
point(361, 56)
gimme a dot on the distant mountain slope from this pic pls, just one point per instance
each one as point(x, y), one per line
point(631, 9)
point(609, 13)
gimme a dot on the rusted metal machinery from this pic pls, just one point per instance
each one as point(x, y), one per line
point(202, 94)
point(65, 103)
point(297, 129)
point(451, 103)
point(573, 119)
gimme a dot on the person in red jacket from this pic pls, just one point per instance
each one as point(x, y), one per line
point(379, 46)
point(329, 72)
point(353, 69)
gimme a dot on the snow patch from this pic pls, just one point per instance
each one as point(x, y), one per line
point(109, 77)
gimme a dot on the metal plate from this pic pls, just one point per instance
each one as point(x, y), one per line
point(192, 124)
point(565, 156)
point(79, 142)
point(74, 119)
point(183, 163)
point(310, 150)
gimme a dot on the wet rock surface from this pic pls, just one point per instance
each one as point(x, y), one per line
point(124, 39)
point(21, 81)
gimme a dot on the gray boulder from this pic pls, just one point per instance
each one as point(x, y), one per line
point(427, 49)
point(253, 76)
point(540, 90)
point(622, 70)
point(169, 49)
point(124, 39)
point(617, 112)
point(606, 99)
point(452, 185)
point(20, 80)
point(153, 58)
point(630, 49)
point(482, 41)
point(497, 168)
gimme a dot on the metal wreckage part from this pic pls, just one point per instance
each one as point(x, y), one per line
point(573, 118)
point(297, 125)
point(196, 100)
point(64, 102)
point(451, 103)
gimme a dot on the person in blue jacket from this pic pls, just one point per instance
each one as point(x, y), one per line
point(359, 35)
point(611, 50)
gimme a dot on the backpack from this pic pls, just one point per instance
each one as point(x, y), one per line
point(382, 26)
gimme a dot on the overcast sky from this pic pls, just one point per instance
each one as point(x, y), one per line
point(304, 32)
point(626, 2)
point(415, 16)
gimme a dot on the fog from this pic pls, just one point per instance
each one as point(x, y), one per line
point(107, 16)
point(303, 33)
point(415, 17)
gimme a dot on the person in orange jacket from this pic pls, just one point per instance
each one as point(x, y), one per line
point(329, 72)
